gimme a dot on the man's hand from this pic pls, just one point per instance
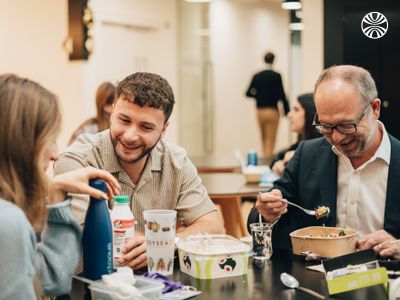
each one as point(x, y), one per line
point(270, 206)
point(390, 249)
point(135, 252)
point(381, 242)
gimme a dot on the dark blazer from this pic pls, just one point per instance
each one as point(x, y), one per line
point(310, 180)
point(267, 88)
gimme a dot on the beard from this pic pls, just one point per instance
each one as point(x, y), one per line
point(354, 150)
point(145, 151)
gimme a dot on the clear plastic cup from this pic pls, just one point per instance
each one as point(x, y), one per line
point(262, 244)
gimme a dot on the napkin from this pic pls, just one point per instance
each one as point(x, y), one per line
point(122, 283)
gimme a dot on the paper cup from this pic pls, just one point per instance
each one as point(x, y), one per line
point(160, 238)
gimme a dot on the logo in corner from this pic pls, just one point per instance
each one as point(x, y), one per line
point(374, 25)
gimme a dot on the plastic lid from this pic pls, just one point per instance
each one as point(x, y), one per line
point(212, 244)
point(99, 184)
point(121, 199)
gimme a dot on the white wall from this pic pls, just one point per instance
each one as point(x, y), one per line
point(31, 35)
point(312, 42)
point(133, 36)
point(32, 32)
point(240, 34)
point(193, 53)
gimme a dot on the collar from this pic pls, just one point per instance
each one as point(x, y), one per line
point(156, 156)
point(383, 151)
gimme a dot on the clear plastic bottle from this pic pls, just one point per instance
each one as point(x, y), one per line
point(123, 223)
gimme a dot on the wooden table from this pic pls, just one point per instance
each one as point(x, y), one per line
point(227, 189)
point(216, 164)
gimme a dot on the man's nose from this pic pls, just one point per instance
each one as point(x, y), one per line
point(131, 134)
point(336, 136)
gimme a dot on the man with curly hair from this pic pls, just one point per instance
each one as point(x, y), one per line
point(153, 173)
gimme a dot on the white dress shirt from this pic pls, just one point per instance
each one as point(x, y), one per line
point(361, 192)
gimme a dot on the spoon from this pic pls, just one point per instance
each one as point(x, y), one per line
point(291, 282)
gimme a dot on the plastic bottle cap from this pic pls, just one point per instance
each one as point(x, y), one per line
point(121, 199)
point(99, 184)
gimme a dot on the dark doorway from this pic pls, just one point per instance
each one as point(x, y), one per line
point(345, 43)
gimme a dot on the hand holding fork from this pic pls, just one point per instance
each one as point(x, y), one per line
point(272, 205)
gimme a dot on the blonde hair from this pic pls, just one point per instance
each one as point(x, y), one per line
point(30, 119)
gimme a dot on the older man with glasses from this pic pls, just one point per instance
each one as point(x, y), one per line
point(353, 169)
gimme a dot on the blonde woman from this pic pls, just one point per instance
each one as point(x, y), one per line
point(29, 201)
point(104, 101)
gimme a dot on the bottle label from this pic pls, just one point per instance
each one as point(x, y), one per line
point(123, 224)
point(123, 231)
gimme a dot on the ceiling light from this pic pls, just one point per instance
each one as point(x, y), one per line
point(290, 4)
point(198, 1)
point(295, 21)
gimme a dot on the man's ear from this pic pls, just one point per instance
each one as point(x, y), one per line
point(376, 107)
point(166, 124)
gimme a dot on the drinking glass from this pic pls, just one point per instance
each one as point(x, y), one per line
point(262, 245)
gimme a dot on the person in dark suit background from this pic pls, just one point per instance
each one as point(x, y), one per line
point(267, 88)
point(353, 170)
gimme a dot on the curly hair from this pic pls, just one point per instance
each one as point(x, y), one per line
point(148, 89)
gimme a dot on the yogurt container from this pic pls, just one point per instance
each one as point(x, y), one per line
point(213, 256)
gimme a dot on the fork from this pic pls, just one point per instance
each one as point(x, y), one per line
point(307, 211)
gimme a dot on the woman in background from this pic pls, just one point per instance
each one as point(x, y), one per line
point(300, 116)
point(30, 201)
point(104, 101)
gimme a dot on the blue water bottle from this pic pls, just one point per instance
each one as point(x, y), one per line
point(97, 236)
point(252, 158)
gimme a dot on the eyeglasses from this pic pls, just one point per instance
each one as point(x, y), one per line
point(344, 128)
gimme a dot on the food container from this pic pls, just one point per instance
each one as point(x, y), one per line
point(213, 256)
point(252, 173)
point(315, 239)
point(149, 288)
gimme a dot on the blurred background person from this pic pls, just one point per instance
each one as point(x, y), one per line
point(301, 117)
point(30, 202)
point(267, 88)
point(104, 101)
